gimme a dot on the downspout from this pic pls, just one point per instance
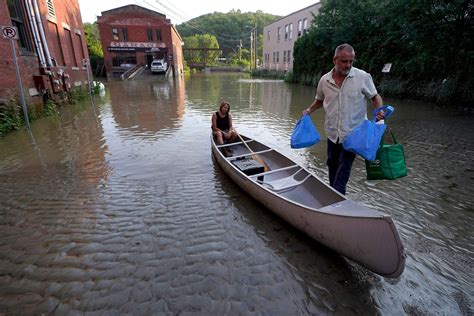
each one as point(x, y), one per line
point(34, 31)
point(41, 31)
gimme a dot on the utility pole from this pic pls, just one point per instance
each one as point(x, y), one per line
point(240, 50)
point(255, 47)
point(251, 49)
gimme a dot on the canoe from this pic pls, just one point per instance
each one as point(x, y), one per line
point(364, 235)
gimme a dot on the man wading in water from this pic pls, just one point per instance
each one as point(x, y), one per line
point(343, 92)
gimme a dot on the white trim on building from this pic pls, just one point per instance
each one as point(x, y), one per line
point(280, 36)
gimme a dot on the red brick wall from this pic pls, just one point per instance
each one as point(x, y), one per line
point(67, 21)
point(27, 64)
point(136, 20)
point(67, 16)
point(177, 51)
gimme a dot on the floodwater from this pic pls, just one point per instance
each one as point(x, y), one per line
point(117, 207)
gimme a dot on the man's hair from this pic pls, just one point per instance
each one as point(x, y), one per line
point(342, 47)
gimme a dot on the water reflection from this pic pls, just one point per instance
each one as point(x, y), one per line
point(147, 105)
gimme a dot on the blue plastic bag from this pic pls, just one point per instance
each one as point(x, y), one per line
point(304, 133)
point(364, 140)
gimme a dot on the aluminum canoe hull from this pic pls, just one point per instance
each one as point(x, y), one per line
point(366, 236)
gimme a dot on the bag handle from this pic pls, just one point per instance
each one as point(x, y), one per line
point(393, 137)
point(388, 110)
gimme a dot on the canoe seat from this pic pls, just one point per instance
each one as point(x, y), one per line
point(286, 183)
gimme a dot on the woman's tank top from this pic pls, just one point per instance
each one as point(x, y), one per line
point(222, 122)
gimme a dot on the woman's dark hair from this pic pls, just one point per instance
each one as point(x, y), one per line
point(224, 103)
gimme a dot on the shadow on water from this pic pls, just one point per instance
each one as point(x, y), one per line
point(329, 282)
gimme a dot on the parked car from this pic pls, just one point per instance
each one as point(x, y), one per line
point(159, 65)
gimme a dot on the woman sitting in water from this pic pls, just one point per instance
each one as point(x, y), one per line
point(222, 124)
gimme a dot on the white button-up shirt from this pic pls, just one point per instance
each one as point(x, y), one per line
point(345, 107)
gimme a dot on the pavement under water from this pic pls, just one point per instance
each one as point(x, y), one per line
point(118, 207)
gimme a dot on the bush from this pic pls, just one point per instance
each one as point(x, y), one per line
point(10, 116)
point(77, 94)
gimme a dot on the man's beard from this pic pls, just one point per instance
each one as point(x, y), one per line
point(345, 72)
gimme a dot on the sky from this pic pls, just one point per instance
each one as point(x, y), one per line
point(179, 11)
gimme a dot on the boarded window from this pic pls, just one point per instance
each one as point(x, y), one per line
point(56, 49)
point(125, 34)
point(72, 53)
point(81, 46)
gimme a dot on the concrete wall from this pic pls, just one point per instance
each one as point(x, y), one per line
point(278, 50)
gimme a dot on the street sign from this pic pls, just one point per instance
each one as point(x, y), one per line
point(9, 32)
point(386, 68)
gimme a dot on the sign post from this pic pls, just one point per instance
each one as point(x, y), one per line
point(11, 33)
point(85, 63)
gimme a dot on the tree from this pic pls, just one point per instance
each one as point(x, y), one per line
point(230, 28)
point(428, 42)
point(205, 41)
point(93, 40)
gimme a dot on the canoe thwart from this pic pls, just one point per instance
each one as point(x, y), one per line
point(249, 154)
point(286, 183)
point(234, 144)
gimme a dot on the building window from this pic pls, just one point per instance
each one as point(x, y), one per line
point(50, 6)
point(56, 48)
point(291, 31)
point(17, 16)
point(72, 53)
point(284, 56)
point(305, 25)
point(158, 35)
point(278, 57)
point(79, 38)
point(115, 35)
point(287, 29)
point(279, 34)
point(300, 28)
point(288, 56)
point(125, 35)
point(149, 35)
point(268, 35)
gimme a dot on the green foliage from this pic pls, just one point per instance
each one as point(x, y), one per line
point(10, 117)
point(230, 28)
point(77, 94)
point(49, 108)
point(96, 55)
point(201, 41)
point(11, 114)
point(428, 42)
point(93, 40)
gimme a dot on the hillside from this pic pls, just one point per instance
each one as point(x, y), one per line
point(229, 28)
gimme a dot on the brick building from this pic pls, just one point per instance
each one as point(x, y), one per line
point(50, 48)
point(132, 35)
